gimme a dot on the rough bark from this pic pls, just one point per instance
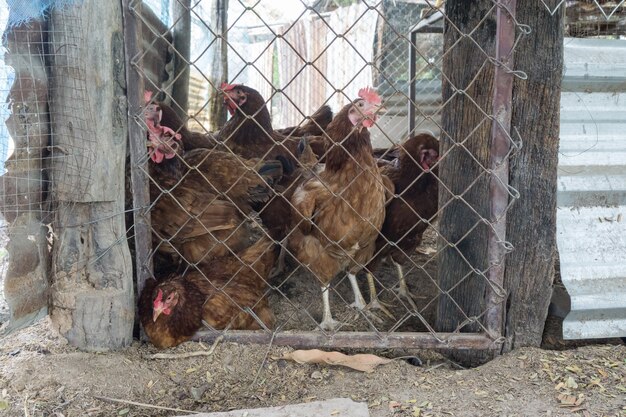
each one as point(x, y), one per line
point(182, 43)
point(531, 225)
point(26, 282)
point(219, 69)
point(92, 292)
point(467, 92)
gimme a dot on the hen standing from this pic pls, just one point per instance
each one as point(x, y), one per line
point(410, 212)
point(339, 212)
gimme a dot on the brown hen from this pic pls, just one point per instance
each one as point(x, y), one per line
point(227, 293)
point(201, 198)
point(410, 211)
point(338, 213)
point(249, 132)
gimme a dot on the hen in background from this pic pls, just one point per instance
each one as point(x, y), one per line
point(249, 132)
point(410, 211)
point(338, 213)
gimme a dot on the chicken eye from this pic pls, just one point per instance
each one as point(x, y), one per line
point(360, 104)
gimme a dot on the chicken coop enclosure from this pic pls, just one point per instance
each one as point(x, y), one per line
point(331, 173)
point(323, 55)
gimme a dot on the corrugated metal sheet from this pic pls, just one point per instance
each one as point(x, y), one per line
point(591, 217)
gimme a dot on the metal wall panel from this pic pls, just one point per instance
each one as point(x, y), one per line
point(591, 217)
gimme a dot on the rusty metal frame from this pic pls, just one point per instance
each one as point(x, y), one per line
point(498, 194)
point(499, 164)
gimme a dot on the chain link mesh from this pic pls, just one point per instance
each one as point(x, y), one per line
point(215, 210)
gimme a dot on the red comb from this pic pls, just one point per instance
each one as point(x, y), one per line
point(227, 87)
point(159, 296)
point(147, 96)
point(368, 94)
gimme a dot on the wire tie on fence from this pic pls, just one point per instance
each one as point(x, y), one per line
point(59, 148)
point(508, 246)
point(524, 28)
point(499, 341)
point(518, 73)
point(513, 192)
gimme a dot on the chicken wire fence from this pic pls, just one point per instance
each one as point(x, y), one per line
point(48, 145)
point(209, 207)
point(204, 194)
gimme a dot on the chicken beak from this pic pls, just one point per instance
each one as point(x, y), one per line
point(156, 313)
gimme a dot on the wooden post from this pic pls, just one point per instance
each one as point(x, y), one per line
point(531, 224)
point(26, 282)
point(182, 43)
point(219, 68)
point(466, 135)
point(92, 293)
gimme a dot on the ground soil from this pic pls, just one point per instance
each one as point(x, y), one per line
point(40, 375)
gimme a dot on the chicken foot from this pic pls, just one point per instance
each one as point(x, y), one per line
point(359, 301)
point(403, 289)
point(375, 303)
point(328, 322)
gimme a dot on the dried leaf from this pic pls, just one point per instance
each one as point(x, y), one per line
point(4, 405)
point(567, 400)
point(361, 362)
point(571, 383)
point(393, 405)
point(603, 373)
point(123, 412)
point(417, 412)
point(575, 369)
point(190, 370)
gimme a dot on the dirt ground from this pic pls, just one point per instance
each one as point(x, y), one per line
point(40, 375)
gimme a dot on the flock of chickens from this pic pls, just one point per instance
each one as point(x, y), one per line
point(322, 194)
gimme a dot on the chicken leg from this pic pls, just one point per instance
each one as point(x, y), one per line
point(375, 303)
point(328, 322)
point(403, 290)
point(359, 301)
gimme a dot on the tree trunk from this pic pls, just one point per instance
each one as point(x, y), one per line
point(219, 69)
point(92, 293)
point(531, 225)
point(182, 43)
point(466, 137)
point(26, 282)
